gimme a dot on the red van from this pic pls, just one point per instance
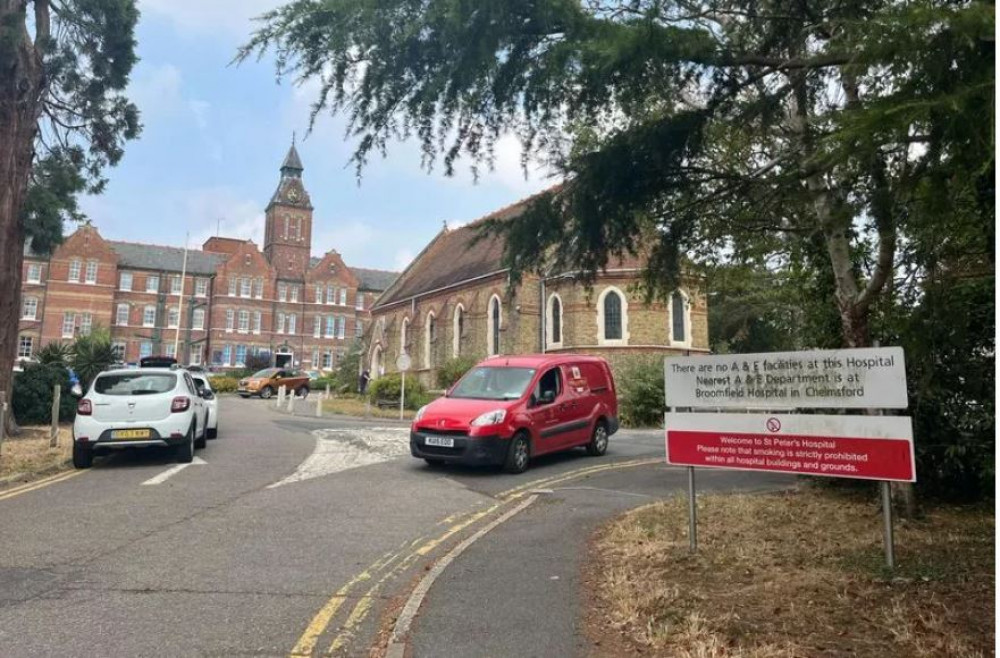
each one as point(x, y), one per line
point(509, 409)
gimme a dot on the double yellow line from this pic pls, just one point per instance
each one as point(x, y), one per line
point(394, 563)
point(38, 484)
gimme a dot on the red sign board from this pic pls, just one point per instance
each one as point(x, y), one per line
point(865, 447)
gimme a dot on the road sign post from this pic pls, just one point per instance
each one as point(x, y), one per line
point(403, 364)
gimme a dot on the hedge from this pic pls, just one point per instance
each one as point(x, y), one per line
point(387, 387)
point(31, 400)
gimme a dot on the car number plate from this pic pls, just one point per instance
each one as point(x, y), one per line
point(440, 441)
point(130, 434)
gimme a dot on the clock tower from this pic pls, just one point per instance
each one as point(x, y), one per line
point(288, 222)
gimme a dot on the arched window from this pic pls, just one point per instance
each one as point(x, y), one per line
point(680, 319)
point(402, 335)
point(494, 320)
point(612, 317)
point(457, 330)
point(429, 340)
point(554, 321)
point(376, 362)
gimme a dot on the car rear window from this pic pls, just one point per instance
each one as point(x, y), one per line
point(137, 383)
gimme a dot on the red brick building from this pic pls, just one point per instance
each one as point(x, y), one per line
point(212, 306)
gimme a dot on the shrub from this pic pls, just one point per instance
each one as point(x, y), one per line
point(640, 395)
point(223, 383)
point(90, 354)
point(387, 387)
point(53, 353)
point(453, 369)
point(32, 394)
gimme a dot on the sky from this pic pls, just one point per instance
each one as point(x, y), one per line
point(215, 135)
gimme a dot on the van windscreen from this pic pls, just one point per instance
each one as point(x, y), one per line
point(492, 383)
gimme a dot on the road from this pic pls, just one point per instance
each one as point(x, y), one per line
point(304, 536)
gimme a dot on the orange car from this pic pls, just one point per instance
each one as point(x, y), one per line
point(266, 382)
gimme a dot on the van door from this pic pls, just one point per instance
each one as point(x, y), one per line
point(579, 403)
point(546, 415)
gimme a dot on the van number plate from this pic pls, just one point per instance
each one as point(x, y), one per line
point(440, 441)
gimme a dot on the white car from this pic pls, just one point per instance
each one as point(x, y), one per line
point(140, 408)
point(211, 400)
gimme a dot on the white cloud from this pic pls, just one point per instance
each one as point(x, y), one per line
point(220, 211)
point(156, 90)
point(210, 16)
point(403, 258)
point(353, 240)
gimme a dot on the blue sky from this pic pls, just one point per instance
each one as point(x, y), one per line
point(215, 135)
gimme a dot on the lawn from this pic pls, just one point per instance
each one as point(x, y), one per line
point(29, 453)
point(792, 574)
point(353, 406)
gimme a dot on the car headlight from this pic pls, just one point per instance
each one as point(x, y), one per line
point(490, 418)
point(420, 413)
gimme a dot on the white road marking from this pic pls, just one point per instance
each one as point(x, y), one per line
point(174, 470)
point(342, 449)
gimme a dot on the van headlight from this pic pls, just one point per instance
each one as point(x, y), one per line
point(490, 418)
point(420, 412)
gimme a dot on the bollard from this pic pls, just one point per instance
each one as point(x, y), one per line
point(54, 433)
point(327, 391)
point(291, 402)
point(281, 396)
point(319, 406)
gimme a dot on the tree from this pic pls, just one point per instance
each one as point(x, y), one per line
point(63, 119)
point(90, 354)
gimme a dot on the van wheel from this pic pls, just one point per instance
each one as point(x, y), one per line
point(599, 441)
point(185, 451)
point(519, 454)
point(83, 456)
point(266, 393)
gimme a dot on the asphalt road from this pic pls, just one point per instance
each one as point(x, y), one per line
point(304, 536)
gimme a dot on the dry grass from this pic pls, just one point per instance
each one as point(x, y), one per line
point(358, 407)
point(30, 453)
point(796, 574)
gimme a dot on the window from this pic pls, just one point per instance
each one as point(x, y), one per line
point(403, 338)
point(317, 326)
point(195, 359)
point(69, 321)
point(230, 318)
point(245, 284)
point(244, 326)
point(118, 350)
point(282, 292)
point(145, 349)
point(330, 291)
point(457, 330)
point(125, 281)
point(227, 352)
point(24, 347)
point(86, 322)
point(315, 359)
point(359, 328)
point(152, 283)
point(292, 321)
point(198, 318)
point(170, 350)
point(327, 359)
point(329, 327)
point(121, 315)
point(612, 317)
point(201, 287)
point(29, 308)
point(258, 291)
point(680, 319)
point(554, 321)
point(281, 323)
point(34, 273)
point(74, 270)
point(173, 317)
point(319, 293)
point(91, 274)
point(294, 293)
point(232, 287)
point(359, 301)
point(256, 322)
point(341, 327)
point(149, 316)
point(241, 355)
point(429, 341)
point(343, 296)
point(175, 285)
point(493, 322)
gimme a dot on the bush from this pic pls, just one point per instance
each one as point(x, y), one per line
point(32, 394)
point(53, 353)
point(90, 354)
point(387, 387)
point(640, 395)
point(453, 369)
point(223, 383)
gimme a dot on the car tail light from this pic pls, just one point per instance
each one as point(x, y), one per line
point(180, 403)
point(83, 407)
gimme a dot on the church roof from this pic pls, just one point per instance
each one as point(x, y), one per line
point(292, 160)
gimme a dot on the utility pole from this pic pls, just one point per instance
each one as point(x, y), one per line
point(180, 301)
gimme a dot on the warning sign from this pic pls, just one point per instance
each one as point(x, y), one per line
point(821, 379)
point(864, 447)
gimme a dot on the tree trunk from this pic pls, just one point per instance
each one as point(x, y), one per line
point(22, 83)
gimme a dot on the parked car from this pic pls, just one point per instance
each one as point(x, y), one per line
point(266, 382)
point(157, 362)
point(140, 408)
point(204, 387)
point(507, 410)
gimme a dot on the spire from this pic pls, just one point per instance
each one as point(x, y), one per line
point(292, 166)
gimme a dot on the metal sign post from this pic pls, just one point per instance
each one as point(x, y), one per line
point(890, 553)
point(692, 511)
point(403, 364)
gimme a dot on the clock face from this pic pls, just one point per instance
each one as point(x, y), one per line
point(293, 194)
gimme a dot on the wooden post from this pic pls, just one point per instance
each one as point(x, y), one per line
point(327, 391)
point(319, 406)
point(281, 396)
point(54, 434)
point(291, 402)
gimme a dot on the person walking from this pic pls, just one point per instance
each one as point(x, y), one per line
point(363, 381)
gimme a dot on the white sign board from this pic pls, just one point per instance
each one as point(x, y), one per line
point(403, 362)
point(820, 379)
